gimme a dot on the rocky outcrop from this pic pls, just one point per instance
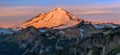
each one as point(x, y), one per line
point(55, 42)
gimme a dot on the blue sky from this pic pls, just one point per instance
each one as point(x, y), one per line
point(54, 2)
point(17, 11)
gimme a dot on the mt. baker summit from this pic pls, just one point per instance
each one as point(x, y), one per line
point(57, 18)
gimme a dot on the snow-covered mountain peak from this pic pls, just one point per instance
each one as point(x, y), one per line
point(57, 18)
point(59, 9)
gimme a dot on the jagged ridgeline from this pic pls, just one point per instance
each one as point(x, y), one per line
point(60, 33)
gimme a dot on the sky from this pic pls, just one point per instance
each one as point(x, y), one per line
point(14, 12)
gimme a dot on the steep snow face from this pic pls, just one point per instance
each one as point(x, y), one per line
point(111, 25)
point(5, 31)
point(81, 32)
point(58, 18)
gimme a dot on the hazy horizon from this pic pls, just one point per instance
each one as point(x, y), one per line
point(17, 11)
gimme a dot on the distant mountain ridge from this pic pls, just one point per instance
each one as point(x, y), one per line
point(59, 19)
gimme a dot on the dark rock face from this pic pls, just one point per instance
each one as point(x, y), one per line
point(32, 41)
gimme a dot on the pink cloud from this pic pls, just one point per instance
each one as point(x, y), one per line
point(27, 10)
point(5, 25)
point(93, 12)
